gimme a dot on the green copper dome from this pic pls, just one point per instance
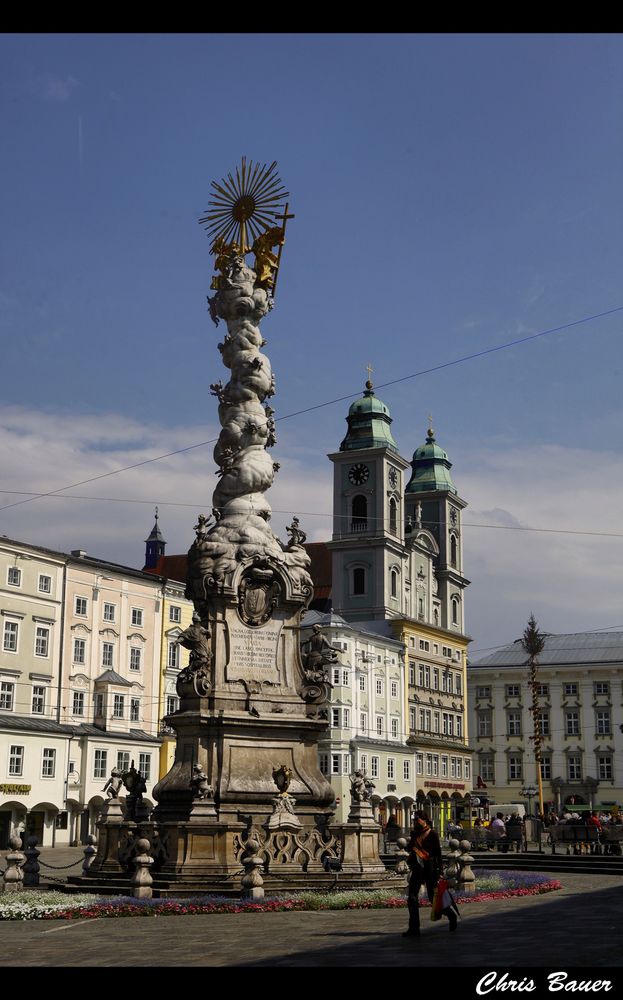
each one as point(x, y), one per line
point(368, 424)
point(431, 468)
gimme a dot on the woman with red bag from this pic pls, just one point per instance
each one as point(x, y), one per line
point(425, 863)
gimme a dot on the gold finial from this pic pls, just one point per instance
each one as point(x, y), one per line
point(369, 370)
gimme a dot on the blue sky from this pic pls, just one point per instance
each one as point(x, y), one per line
point(451, 192)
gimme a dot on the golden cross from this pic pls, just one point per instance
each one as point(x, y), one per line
point(369, 370)
point(285, 218)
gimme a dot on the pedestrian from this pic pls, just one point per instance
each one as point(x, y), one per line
point(425, 863)
point(498, 829)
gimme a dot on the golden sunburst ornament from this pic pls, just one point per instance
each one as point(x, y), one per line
point(246, 205)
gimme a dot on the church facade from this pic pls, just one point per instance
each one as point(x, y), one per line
point(397, 571)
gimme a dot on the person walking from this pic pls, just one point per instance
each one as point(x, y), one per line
point(425, 863)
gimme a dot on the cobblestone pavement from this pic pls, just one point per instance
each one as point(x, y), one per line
point(578, 926)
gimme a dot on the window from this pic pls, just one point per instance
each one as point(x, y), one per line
point(107, 654)
point(175, 614)
point(455, 612)
point(144, 765)
point(393, 516)
point(173, 703)
point(345, 718)
point(48, 764)
point(450, 679)
point(135, 708)
point(514, 768)
point(436, 722)
point(123, 760)
point(435, 765)
point(425, 719)
point(513, 720)
point(79, 650)
point(42, 641)
point(391, 767)
point(452, 551)
point(363, 722)
point(173, 658)
point(394, 689)
point(570, 690)
point(457, 683)
point(601, 687)
point(468, 769)
point(14, 576)
point(11, 632)
point(78, 703)
point(425, 645)
point(395, 728)
point(412, 675)
point(546, 768)
point(429, 764)
point(359, 581)
point(374, 767)
point(459, 727)
point(459, 767)
point(379, 725)
point(81, 606)
point(394, 583)
point(572, 723)
point(543, 718)
point(45, 584)
point(406, 770)
point(419, 763)
point(7, 691)
point(137, 616)
point(379, 685)
point(99, 704)
point(363, 762)
point(359, 520)
point(484, 723)
point(362, 682)
point(324, 763)
point(99, 767)
point(483, 691)
point(335, 717)
point(542, 690)
point(345, 678)
point(135, 658)
point(118, 706)
point(453, 767)
point(602, 720)
point(513, 690)
point(604, 767)
point(335, 763)
point(487, 769)
point(38, 700)
point(446, 651)
point(574, 767)
point(109, 612)
point(16, 761)
point(444, 766)
point(436, 678)
point(336, 675)
point(412, 720)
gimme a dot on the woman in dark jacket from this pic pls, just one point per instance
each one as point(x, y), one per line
point(425, 863)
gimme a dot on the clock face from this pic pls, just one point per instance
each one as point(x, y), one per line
point(453, 515)
point(359, 474)
point(393, 477)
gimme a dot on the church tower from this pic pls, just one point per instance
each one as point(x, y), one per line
point(154, 546)
point(433, 503)
point(368, 514)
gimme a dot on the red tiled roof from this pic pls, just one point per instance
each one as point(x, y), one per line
point(171, 567)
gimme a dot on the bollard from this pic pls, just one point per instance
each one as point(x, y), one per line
point(32, 866)
point(142, 880)
point(467, 879)
point(252, 881)
point(89, 854)
point(13, 875)
point(402, 868)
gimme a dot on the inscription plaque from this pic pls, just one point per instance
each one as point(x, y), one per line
point(253, 652)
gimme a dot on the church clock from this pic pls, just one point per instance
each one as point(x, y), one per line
point(358, 474)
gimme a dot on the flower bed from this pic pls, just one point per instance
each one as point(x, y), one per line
point(33, 905)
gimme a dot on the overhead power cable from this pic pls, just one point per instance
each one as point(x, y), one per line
point(337, 399)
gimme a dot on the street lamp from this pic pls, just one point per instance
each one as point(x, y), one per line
point(529, 792)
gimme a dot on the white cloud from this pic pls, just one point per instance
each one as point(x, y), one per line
point(570, 582)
